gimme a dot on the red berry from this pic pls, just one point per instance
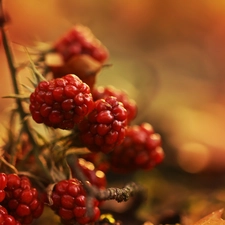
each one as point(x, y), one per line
point(13, 181)
point(80, 40)
point(105, 126)
point(21, 200)
point(2, 195)
point(7, 219)
point(141, 149)
point(3, 181)
point(129, 104)
point(61, 103)
point(69, 202)
point(94, 176)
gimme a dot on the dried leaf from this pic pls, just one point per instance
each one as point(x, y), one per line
point(212, 219)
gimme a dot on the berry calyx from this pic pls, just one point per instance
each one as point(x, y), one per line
point(84, 66)
point(129, 104)
point(141, 149)
point(69, 202)
point(61, 102)
point(105, 127)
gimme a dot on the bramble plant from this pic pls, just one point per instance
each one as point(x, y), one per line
point(69, 135)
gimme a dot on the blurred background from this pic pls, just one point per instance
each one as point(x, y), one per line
point(167, 55)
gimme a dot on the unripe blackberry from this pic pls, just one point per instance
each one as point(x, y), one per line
point(61, 103)
point(105, 127)
point(69, 202)
point(141, 149)
point(129, 104)
point(80, 40)
point(22, 200)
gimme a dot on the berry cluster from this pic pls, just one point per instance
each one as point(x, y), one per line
point(141, 149)
point(69, 202)
point(80, 40)
point(20, 199)
point(61, 103)
point(77, 52)
point(105, 126)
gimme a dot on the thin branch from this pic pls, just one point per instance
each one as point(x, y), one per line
point(118, 194)
point(13, 73)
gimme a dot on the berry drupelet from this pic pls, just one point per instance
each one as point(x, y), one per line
point(141, 149)
point(129, 104)
point(105, 127)
point(3, 183)
point(69, 202)
point(61, 102)
point(6, 219)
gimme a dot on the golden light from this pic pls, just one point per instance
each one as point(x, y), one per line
point(99, 174)
point(193, 157)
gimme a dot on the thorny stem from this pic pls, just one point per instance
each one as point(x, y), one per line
point(10, 61)
point(118, 194)
point(13, 72)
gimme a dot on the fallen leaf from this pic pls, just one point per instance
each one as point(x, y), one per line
point(212, 219)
